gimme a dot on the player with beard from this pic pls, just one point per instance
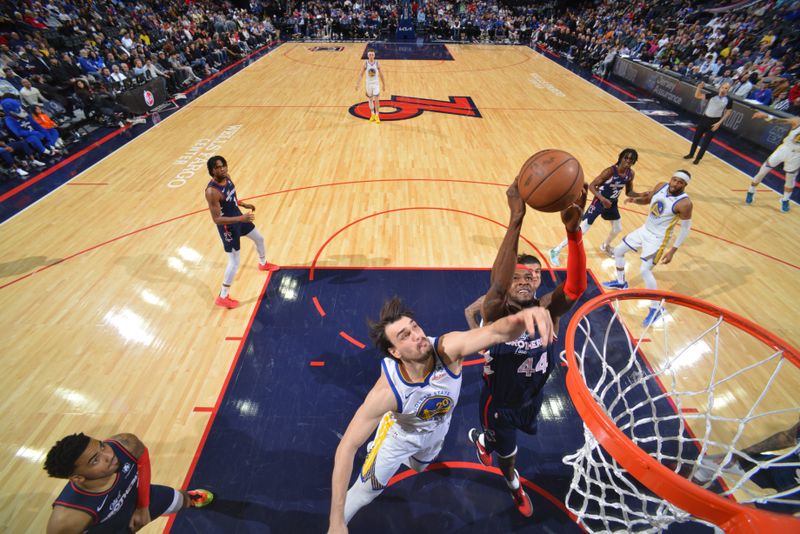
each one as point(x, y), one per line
point(412, 402)
point(515, 371)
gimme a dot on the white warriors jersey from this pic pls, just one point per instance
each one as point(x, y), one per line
point(372, 71)
point(662, 217)
point(424, 406)
point(792, 139)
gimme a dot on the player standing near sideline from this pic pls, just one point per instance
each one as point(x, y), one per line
point(109, 486)
point(374, 71)
point(787, 153)
point(232, 224)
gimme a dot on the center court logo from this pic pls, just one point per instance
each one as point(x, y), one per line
point(408, 107)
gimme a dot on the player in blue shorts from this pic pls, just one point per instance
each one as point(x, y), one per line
point(515, 372)
point(607, 188)
point(109, 486)
point(232, 224)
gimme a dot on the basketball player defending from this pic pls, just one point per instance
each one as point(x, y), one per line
point(516, 369)
point(668, 205)
point(231, 224)
point(787, 153)
point(373, 70)
point(109, 486)
point(606, 189)
point(413, 400)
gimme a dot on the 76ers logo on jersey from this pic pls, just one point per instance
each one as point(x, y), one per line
point(408, 107)
point(433, 406)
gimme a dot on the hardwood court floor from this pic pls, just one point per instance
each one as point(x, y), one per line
point(122, 335)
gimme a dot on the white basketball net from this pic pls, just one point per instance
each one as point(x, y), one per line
point(687, 417)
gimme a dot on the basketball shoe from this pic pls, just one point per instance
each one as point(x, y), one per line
point(377, 119)
point(607, 250)
point(226, 302)
point(200, 498)
point(475, 437)
point(652, 316)
point(372, 118)
point(521, 498)
point(267, 266)
point(785, 206)
point(614, 284)
point(748, 199)
point(554, 252)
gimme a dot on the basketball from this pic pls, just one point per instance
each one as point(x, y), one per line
point(550, 180)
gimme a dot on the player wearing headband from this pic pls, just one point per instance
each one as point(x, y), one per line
point(515, 372)
point(669, 204)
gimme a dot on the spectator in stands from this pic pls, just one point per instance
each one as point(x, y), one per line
point(761, 94)
point(30, 96)
point(20, 127)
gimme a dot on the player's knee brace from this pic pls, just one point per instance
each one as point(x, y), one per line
point(233, 266)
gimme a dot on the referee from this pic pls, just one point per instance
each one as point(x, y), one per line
point(717, 111)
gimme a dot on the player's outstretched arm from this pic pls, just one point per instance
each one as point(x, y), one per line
point(793, 122)
point(506, 259)
point(379, 401)
point(141, 516)
point(684, 210)
point(455, 346)
point(780, 440)
point(646, 197)
point(565, 294)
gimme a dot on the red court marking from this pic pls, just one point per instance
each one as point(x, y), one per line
point(233, 339)
point(317, 364)
point(646, 340)
point(217, 404)
point(86, 183)
point(352, 340)
point(548, 51)
point(620, 89)
point(318, 306)
point(202, 409)
point(399, 477)
point(42, 175)
point(691, 410)
point(353, 223)
point(354, 182)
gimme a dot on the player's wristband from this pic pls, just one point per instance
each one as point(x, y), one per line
point(143, 489)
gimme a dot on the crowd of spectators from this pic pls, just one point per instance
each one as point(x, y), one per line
point(65, 63)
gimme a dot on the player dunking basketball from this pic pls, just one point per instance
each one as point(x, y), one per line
point(412, 402)
point(231, 224)
point(374, 72)
point(606, 189)
point(515, 371)
point(669, 204)
point(109, 486)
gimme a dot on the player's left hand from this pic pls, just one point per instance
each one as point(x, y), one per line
point(715, 127)
point(141, 516)
point(247, 206)
point(667, 257)
point(538, 318)
point(571, 217)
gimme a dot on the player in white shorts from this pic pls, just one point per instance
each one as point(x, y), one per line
point(374, 72)
point(787, 153)
point(669, 204)
point(412, 402)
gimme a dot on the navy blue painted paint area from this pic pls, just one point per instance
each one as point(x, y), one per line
point(414, 50)
point(269, 453)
